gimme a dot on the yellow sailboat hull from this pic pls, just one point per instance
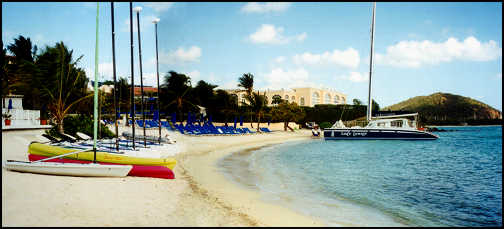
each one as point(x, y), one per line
point(49, 151)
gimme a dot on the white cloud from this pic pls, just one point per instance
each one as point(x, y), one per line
point(159, 6)
point(195, 77)
point(348, 58)
point(150, 79)
point(357, 77)
point(279, 78)
point(414, 54)
point(181, 56)
point(254, 7)
point(269, 34)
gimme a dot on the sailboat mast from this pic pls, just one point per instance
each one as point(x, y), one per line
point(114, 73)
point(370, 105)
point(95, 107)
point(132, 76)
point(138, 9)
point(158, 89)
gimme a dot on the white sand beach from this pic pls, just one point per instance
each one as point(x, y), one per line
point(199, 196)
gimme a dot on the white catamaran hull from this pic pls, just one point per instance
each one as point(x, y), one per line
point(69, 169)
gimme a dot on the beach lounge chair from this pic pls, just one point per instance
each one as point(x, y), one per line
point(83, 136)
point(52, 139)
point(265, 129)
point(69, 138)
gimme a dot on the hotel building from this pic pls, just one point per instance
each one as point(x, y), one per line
point(302, 96)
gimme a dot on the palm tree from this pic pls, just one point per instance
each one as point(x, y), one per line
point(247, 81)
point(257, 104)
point(177, 87)
point(22, 49)
point(62, 82)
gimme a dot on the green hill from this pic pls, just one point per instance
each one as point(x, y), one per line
point(445, 108)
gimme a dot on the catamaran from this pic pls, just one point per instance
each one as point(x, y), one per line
point(395, 127)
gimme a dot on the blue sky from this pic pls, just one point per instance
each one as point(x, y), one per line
point(420, 48)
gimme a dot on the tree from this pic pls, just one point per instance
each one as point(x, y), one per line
point(63, 83)
point(20, 72)
point(247, 81)
point(203, 93)
point(276, 99)
point(287, 112)
point(22, 49)
point(176, 89)
point(257, 104)
point(357, 102)
point(375, 107)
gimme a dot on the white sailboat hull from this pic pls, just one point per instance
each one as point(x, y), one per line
point(69, 169)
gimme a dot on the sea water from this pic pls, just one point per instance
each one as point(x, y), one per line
point(455, 180)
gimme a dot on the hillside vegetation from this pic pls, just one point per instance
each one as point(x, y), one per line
point(445, 108)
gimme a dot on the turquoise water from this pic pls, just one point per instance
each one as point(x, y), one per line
point(455, 180)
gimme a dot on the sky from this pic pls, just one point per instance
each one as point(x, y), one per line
point(419, 48)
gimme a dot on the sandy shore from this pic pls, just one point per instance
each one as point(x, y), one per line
point(199, 196)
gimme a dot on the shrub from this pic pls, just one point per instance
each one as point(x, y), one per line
point(81, 123)
point(324, 125)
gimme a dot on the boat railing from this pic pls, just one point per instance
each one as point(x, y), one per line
point(353, 123)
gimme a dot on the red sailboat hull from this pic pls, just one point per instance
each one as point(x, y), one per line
point(137, 170)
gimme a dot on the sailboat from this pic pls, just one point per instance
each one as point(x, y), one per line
point(396, 127)
point(72, 169)
point(142, 162)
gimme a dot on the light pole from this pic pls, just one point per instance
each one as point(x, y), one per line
point(155, 21)
point(137, 10)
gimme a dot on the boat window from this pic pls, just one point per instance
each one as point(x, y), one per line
point(397, 123)
point(381, 124)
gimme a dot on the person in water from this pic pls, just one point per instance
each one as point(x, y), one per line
point(316, 131)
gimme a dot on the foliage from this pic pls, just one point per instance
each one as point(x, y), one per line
point(247, 82)
point(357, 102)
point(81, 123)
point(332, 113)
point(444, 108)
point(276, 99)
point(257, 104)
point(287, 112)
point(324, 125)
point(63, 83)
point(175, 94)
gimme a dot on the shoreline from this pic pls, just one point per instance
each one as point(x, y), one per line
point(202, 170)
point(199, 195)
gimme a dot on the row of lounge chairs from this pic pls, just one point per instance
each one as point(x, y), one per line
point(196, 129)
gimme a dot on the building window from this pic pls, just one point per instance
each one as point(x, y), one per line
point(336, 99)
point(327, 99)
point(344, 99)
point(301, 101)
point(293, 98)
point(315, 98)
point(287, 97)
